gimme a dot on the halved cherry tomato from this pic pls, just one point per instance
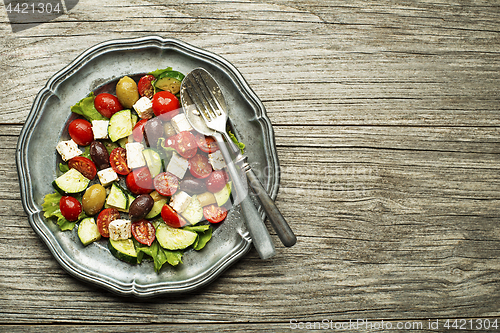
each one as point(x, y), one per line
point(139, 181)
point(144, 232)
point(84, 165)
point(118, 161)
point(138, 131)
point(171, 218)
point(166, 105)
point(216, 181)
point(214, 213)
point(207, 144)
point(145, 86)
point(166, 183)
point(199, 166)
point(80, 131)
point(107, 104)
point(104, 218)
point(186, 144)
point(70, 208)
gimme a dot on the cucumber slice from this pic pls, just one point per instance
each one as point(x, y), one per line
point(153, 161)
point(169, 84)
point(134, 118)
point(156, 210)
point(122, 142)
point(223, 195)
point(123, 249)
point(120, 125)
point(131, 199)
point(194, 211)
point(71, 182)
point(174, 239)
point(117, 198)
point(88, 231)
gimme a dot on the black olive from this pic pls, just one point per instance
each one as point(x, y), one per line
point(99, 155)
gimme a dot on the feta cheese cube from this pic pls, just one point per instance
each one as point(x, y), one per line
point(144, 108)
point(100, 129)
point(107, 176)
point(120, 229)
point(135, 159)
point(180, 201)
point(217, 160)
point(180, 123)
point(177, 165)
point(68, 149)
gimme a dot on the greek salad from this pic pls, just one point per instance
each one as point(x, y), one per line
point(134, 173)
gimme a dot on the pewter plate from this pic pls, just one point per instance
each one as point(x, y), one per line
point(46, 124)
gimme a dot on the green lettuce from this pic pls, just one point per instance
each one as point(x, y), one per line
point(51, 210)
point(204, 235)
point(86, 108)
point(157, 72)
point(159, 255)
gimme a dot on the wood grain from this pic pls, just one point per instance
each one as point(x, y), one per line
point(387, 130)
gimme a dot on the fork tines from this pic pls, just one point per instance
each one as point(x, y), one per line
point(203, 96)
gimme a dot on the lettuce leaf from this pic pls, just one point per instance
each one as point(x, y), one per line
point(160, 255)
point(86, 108)
point(204, 235)
point(157, 72)
point(51, 211)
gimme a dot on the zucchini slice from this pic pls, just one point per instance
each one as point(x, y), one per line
point(88, 231)
point(156, 210)
point(123, 249)
point(120, 125)
point(173, 238)
point(71, 182)
point(153, 161)
point(223, 195)
point(169, 84)
point(194, 211)
point(117, 198)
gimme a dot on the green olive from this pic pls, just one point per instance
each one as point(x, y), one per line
point(93, 199)
point(127, 92)
point(169, 129)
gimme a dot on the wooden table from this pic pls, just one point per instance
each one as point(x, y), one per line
point(386, 115)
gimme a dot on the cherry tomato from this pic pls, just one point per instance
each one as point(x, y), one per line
point(139, 181)
point(186, 144)
point(84, 165)
point(145, 86)
point(171, 218)
point(70, 208)
point(216, 181)
point(166, 105)
point(118, 161)
point(80, 131)
point(214, 213)
point(144, 232)
point(207, 144)
point(107, 104)
point(104, 218)
point(199, 166)
point(138, 131)
point(166, 183)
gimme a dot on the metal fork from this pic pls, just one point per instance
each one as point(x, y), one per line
point(207, 96)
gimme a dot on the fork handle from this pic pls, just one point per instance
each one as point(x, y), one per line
point(277, 220)
point(256, 227)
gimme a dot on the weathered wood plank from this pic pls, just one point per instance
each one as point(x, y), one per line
point(386, 120)
point(432, 67)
